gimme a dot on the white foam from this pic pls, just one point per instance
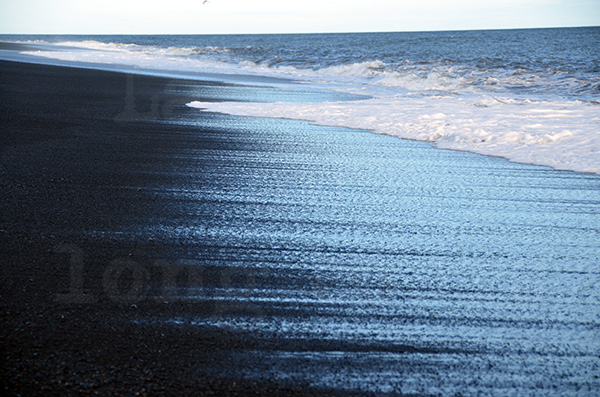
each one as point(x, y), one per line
point(560, 134)
point(185, 59)
point(144, 58)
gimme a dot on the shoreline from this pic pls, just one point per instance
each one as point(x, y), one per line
point(150, 248)
point(528, 146)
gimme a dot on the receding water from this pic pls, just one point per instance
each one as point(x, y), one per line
point(372, 263)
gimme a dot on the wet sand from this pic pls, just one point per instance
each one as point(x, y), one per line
point(151, 248)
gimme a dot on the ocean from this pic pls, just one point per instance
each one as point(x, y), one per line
point(531, 95)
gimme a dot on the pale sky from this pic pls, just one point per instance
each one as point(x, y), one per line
point(285, 16)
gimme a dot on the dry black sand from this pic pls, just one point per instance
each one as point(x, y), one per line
point(71, 141)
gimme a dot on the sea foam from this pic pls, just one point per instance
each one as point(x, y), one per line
point(560, 134)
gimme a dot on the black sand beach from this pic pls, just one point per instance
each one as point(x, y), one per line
point(149, 248)
point(73, 157)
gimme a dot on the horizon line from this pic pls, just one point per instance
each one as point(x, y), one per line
point(298, 33)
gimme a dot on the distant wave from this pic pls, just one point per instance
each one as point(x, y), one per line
point(485, 74)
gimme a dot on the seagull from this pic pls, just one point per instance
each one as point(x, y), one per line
point(205, 1)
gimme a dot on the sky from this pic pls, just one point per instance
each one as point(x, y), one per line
point(285, 16)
